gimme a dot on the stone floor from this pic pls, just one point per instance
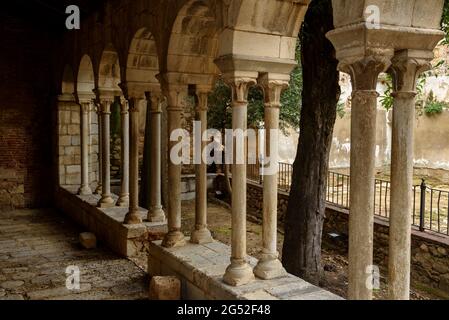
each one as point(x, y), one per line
point(37, 246)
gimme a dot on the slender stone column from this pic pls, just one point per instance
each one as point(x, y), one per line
point(239, 272)
point(269, 266)
point(99, 188)
point(405, 70)
point(134, 216)
point(201, 233)
point(155, 212)
point(123, 200)
point(364, 74)
point(106, 200)
point(85, 110)
point(174, 237)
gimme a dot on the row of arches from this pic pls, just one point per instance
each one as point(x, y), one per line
point(192, 49)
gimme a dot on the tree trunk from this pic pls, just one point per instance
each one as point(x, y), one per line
point(145, 184)
point(306, 208)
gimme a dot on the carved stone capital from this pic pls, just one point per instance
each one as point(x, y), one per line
point(86, 107)
point(156, 98)
point(105, 106)
point(406, 68)
point(364, 71)
point(240, 87)
point(124, 106)
point(133, 104)
point(176, 97)
point(202, 101)
point(273, 89)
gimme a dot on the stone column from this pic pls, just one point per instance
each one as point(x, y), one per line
point(269, 266)
point(106, 200)
point(239, 272)
point(201, 233)
point(174, 237)
point(99, 188)
point(155, 212)
point(123, 200)
point(134, 216)
point(405, 70)
point(364, 74)
point(85, 110)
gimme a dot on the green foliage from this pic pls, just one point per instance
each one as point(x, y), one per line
point(115, 118)
point(220, 112)
point(341, 110)
point(387, 99)
point(433, 106)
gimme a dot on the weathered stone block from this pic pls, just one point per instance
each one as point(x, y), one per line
point(65, 140)
point(165, 288)
point(88, 240)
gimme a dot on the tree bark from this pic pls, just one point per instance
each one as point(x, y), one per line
point(321, 91)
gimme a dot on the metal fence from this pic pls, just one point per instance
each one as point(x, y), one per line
point(430, 205)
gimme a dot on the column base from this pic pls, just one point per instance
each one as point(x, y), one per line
point(123, 201)
point(133, 217)
point(99, 190)
point(269, 268)
point(201, 236)
point(238, 273)
point(106, 202)
point(84, 191)
point(174, 239)
point(156, 214)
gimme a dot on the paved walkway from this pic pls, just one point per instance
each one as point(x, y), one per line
point(37, 246)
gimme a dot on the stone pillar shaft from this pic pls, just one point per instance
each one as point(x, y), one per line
point(364, 74)
point(201, 233)
point(405, 71)
point(99, 188)
point(106, 198)
point(269, 266)
point(123, 200)
point(155, 212)
point(84, 112)
point(239, 272)
point(174, 236)
point(133, 216)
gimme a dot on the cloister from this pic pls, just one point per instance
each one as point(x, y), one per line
point(153, 54)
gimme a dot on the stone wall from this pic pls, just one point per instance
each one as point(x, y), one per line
point(430, 252)
point(69, 144)
point(26, 174)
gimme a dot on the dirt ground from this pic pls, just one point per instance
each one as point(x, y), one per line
point(335, 264)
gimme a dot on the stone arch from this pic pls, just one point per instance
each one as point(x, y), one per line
point(85, 83)
point(193, 44)
point(68, 81)
point(142, 62)
point(109, 76)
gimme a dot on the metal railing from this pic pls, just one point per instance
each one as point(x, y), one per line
point(430, 205)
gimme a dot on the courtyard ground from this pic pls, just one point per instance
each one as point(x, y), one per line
point(37, 246)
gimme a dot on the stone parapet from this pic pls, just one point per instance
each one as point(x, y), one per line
point(201, 269)
point(107, 223)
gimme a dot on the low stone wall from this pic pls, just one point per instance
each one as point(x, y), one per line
point(188, 185)
point(107, 224)
point(430, 251)
point(201, 268)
